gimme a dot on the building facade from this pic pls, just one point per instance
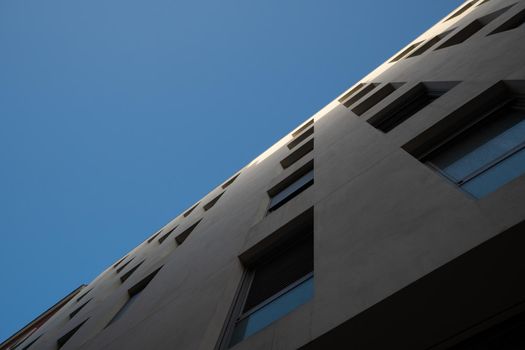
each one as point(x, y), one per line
point(392, 218)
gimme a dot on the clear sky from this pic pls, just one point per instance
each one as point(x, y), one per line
point(116, 115)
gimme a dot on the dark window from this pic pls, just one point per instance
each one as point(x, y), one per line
point(188, 212)
point(71, 315)
point(230, 181)
point(429, 43)
point(182, 237)
point(375, 98)
point(488, 154)
point(351, 92)
point(211, 203)
point(133, 294)
point(124, 266)
point(360, 94)
point(154, 236)
point(302, 128)
point(291, 186)
point(298, 139)
point(119, 262)
point(83, 295)
point(472, 28)
point(462, 10)
point(514, 22)
point(298, 154)
point(409, 104)
point(130, 272)
point(30, 343)
point(163, 238)
point(405, 52)
point(274, 285)
point(64, 339)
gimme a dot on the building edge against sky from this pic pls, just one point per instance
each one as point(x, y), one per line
point(393, 217)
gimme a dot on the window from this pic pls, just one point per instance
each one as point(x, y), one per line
point(211, 203)
point(64, 339)
point(154, 236)
point(83, 295)
point(291, 186)
point(512, 23)
point(163, 238)
point(409, 104)
point(119, 262)
point(472, 28)
point(130, 272)
point(71, 315)
point(301, 137)
point(133, 294)
point(406, 51)
point(124, 266)
point(488, 154)
point(31, 343)
point(182, 237)
point(298, 154)
point(429, 43)
point(462, 10)
point(277, 280)
point(230, 181)
point(188, 212)
point(360, 94)
point(375, 98)
point(351, 92)
point(302, 128)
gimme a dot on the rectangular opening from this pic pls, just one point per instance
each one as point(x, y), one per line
point(429, 43)
point(211, 203)
point(360, 94)
point(184, 235)
point(409, 104)
point(514, 22)
point(298, 154)
point(230, 181)
point(462, 10)
point(163, 238)
point(127, 275)
point(278, 279)
point(375, 98)
point(487, 149)
point(188, 212)
point(472, 28)
point(124, 266)
point(297, 140)
point(154, 236)
point(120, 261)
point(76, 311)
point(405, 52)
point(65, 338)
point(302, 128)
point(83, 295)
point(351, 92)
point(290, 187)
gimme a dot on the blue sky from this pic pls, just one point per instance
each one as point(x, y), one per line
point(116, 115)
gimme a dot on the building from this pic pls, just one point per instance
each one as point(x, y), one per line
point(392, 218)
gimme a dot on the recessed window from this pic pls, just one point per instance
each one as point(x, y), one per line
point(65, 338)
point(514, 22)
point(298, 154)
point(154, 236)
point(230, 181)
point(405, 52)
point(83, 295)
point(360, 94)
point(130, 272)
point(124, 266)
point(31, 343)
point(163, 238)
point(298, 139)
point(351, 92)
point(472, 28)
point(182, 237)
point(486, 155)
point(290, 187)
point(302, 128)
point(429, 43)
point(462, 10)
point(188, 212)
point(119, 262)
point(409, 104)
point(375, 98)
point(211, 203)
point(71, 315)
point(133, 294)
point(276, 282)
